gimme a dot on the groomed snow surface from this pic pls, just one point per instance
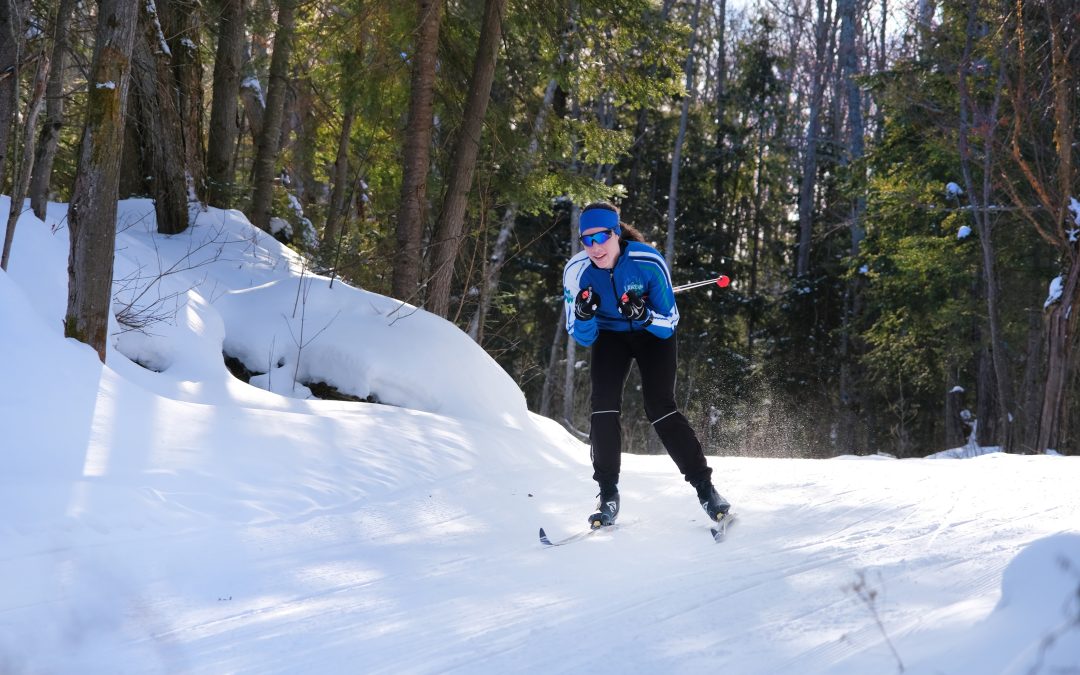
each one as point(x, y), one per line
point(169, 518)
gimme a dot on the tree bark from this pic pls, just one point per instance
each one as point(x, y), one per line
point(558, 343)
point(269, 144)
point(451, 219)
point(981, 196)
point(49, 140)
point(494, 264)
point(1061, 326)
point(676, 159)
point(849, 17)
point(986, 405)
point(182, 21)
point(13, 22)
point(254, 101)
point(808, 186)
point(92, 213)
point(224, 126)
point(954, 422)
point(412, 212)
point(849, 70)
point(1029, 402)
point(156, 119)
point(1061, 320)
point(24, 165)
point(303, 141)
point(335, 213)
point(571, 344)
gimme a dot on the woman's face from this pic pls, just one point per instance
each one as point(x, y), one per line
point(603, 254)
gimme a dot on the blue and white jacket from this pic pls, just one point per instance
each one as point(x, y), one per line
point(640, 269)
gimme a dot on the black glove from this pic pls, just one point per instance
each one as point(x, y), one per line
point(632, 306)
point(586, 304)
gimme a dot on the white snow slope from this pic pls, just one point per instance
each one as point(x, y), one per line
point(181, 521)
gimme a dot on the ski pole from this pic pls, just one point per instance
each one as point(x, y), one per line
point(722, 281)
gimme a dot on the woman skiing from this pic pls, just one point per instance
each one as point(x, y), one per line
point(619, 301)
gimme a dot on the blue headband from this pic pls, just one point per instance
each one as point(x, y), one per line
point(605, 218)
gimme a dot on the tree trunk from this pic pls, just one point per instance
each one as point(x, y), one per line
point(335, 213)
point(448, 231)
point(412, 212)
point(849, 71)
point(254, 101)
point(13, 22)
point(24, 165)
point(676, 159)
point(981, 197)
point(1029, 401)
point(182, 22)
point(266, 154)
point(755, 226)
point(986, 405)
point(92, 213)
point(49, 140)
point(813, 125)
point(494, 263)
point(558, 344)
point(300, 141)
point(1061, 325)
point(924, 14)
point(849, 16)
point(157, 122)
point(571, 344)
point(722, 152)
point(224, 127)
point(1043, 128)
point(955, 435)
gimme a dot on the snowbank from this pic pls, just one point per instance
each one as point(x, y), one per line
point(224, 285)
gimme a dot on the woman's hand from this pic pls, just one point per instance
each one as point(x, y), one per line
point(632, 306)
point(586, 304)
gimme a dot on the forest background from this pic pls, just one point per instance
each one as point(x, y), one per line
point(889, 185)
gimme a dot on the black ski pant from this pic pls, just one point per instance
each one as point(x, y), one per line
point(656, 357)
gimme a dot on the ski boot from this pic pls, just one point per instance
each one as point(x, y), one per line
point(607, 510)
point(711, 501)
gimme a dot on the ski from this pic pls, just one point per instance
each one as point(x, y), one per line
point(546, 541)
point(719, 531)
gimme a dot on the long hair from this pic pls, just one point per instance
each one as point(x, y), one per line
point(629, 232)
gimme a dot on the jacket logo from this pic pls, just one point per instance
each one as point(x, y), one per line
point(635, 287)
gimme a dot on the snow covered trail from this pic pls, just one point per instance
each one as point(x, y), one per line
point(447, 575)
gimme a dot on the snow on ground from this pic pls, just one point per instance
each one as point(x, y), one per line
point(184, 521)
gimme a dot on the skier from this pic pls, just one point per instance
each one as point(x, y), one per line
point(619, 301)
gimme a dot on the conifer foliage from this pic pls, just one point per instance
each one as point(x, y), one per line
point(891, 186)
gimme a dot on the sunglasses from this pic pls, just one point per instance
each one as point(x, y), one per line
point(588, 240)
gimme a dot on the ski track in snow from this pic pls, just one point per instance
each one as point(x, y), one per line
point(475, 607)
point(449, 576)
